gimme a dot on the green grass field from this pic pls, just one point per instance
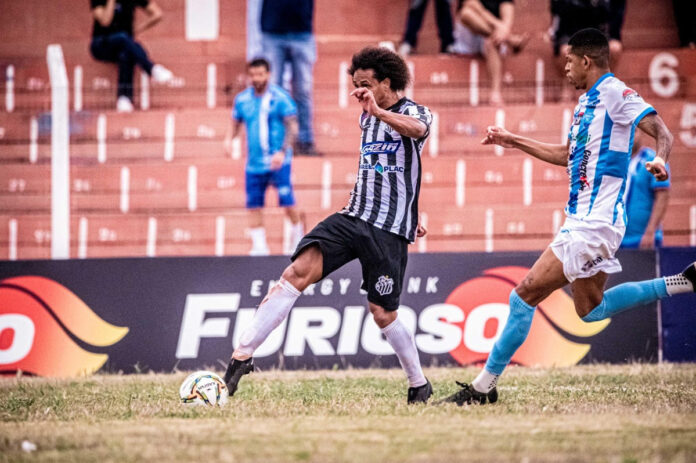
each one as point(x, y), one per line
point(628, 413)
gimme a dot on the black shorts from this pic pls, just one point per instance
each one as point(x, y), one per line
point(382, 255)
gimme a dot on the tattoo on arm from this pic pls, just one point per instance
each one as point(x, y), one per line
point(654, 126)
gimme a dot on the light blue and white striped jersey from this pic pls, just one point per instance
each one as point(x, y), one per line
point(264, 117)
point(600, 142)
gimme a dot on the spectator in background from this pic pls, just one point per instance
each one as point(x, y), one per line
point(570, 16)
point(416, 12)
point(254, 48)
point(270, 117)
point(488, 32)
point(646, 200)
point(617, 11)
point(685, 15)
point(287, 37)
point(112, 41)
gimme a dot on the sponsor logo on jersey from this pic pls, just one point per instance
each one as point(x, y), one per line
point(380, 147)
point(583, 170)
point(382, 169)
point(629, 94)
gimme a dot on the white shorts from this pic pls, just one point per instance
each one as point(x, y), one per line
point(467, 42)
point(586, 249)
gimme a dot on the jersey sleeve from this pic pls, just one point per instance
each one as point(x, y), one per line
point(626, 107)
point(288, 107)
point(423, 114)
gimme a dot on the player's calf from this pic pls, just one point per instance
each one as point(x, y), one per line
point(629, 295)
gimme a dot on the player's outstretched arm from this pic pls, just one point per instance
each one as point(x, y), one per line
point(554, 154)
point(653, 125)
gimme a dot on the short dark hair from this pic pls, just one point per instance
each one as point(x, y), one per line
point(593, 43)
point(385, 64)
point(259, 62)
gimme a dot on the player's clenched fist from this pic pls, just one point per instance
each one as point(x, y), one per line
point(367, 100)
point(657, 168)
point(498, 136)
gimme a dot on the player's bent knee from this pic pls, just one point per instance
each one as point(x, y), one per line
point(584, 307)
point(528, 291)
point(467, 15)
point(382, 317)
point(306, 269)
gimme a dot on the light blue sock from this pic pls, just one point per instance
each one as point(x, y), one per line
point(627, 296)
point(515, 332)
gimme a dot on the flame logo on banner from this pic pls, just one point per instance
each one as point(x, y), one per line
point(484, 300)
point(39, 319)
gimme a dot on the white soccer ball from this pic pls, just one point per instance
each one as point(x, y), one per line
point(203, 388)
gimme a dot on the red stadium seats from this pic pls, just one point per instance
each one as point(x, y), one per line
point(167, 163)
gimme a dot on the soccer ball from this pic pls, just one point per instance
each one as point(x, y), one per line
point(203, 388)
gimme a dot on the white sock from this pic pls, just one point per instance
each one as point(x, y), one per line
point(271, 313)
point(258, 239)
point(485, 381)
point(677, 284)
point(404, 345)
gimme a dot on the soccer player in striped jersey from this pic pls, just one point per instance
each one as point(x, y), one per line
point(596, 155)
point(376, 226)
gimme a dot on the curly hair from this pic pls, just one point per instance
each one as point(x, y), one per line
point(385, 63)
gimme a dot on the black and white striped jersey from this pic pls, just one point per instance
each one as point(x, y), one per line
point(389, 173)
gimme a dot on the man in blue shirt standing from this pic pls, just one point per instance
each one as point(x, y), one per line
point(646, 200)
point(270, 117)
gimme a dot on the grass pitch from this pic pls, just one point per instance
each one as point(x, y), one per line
point(628, 413)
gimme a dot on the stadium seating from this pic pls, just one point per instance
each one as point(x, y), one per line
point(158, 182)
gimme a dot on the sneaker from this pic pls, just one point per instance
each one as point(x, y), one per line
point(449, 50)
point(160, 74)
point(468, 395)
point(690, 274)
point(124, 105)
point(306, 149)
point(420, 394)
point(235, 370)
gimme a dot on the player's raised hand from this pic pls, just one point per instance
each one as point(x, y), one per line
point(498, 136)
point(657, 168)
point(367, 100)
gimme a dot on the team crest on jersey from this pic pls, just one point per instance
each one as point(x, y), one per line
point(578, 117)
point(384, 285)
